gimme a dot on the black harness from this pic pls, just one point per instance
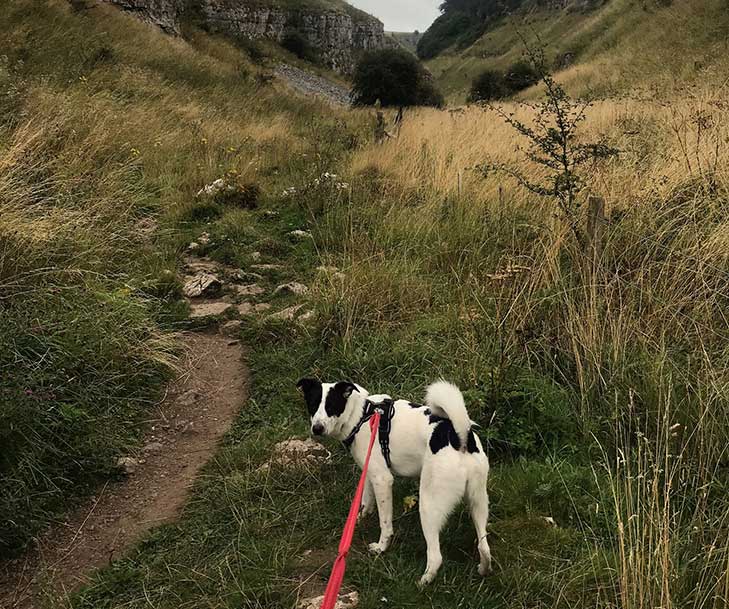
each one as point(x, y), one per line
point(386, 409)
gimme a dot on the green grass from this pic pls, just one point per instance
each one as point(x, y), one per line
point(99, 137)
point(623, 47)
point(577, 380)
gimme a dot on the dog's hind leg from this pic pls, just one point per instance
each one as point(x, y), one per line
point(478, 501)
point(441, 488)
point(382, 487)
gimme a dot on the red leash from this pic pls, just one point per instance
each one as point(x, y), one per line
point(340, 564)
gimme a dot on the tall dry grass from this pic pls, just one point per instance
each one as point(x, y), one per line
point(640, 335)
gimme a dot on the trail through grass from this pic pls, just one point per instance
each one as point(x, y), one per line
point(601, 389)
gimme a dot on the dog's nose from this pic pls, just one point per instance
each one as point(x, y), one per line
point(318, 429)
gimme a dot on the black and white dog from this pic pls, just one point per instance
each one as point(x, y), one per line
point(434, 442)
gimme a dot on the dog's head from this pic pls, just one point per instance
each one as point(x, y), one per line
point(328, 403)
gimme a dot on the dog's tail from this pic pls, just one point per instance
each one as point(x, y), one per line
point(445, 400)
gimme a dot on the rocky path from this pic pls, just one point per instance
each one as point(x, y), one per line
point(311, 84)
point(184, 432)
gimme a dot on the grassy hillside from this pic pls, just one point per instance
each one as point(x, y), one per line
point(600, 380)
point(624, 45)
point(108, 129)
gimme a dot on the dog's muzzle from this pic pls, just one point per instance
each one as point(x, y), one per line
point(318, 429)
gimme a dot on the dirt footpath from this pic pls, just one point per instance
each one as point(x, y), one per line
point(184, 433)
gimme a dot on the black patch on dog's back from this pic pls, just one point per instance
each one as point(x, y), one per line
point(414, 405)
point(311, 389)
point(471, 445)
point(337, 398)
point(444, 434)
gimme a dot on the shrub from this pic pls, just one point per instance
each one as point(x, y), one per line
point(521, 75)
point(252, 48)
point(492, 84)
point(394, 77)
point(295, 42)
point(488, 85)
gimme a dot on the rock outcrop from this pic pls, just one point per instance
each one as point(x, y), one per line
point(165, 14)
point(338, 35)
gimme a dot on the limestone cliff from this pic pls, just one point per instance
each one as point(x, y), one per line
point(338, 31)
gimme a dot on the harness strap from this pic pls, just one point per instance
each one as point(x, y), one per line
point(387, 412)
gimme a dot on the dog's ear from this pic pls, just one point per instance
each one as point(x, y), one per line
point(311, 388)
point(348, 389)
point(304, 384)
point(337, 396)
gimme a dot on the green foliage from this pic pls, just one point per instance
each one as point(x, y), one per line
point(521, 75)
point(494, 84)
point(555, 146)
point(73, 391)
point(446, 30)
point(253, 49)
point(396, 78)
point(295, 42)
point(487, 86)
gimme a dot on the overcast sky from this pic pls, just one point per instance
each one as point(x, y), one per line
point(401, 15)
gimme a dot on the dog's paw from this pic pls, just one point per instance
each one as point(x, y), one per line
point(377, 548)
point(484, 570)
point(426, 579)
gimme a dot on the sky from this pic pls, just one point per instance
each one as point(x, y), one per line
point(401, 15)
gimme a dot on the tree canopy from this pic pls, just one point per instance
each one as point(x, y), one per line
point(396, 78)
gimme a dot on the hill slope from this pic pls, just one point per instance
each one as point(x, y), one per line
point(603, 48)
point(335, 31)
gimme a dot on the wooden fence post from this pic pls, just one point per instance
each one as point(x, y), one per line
point(595, 225)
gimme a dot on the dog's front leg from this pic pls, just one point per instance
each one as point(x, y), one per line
point(382, 487)
point(368, 500)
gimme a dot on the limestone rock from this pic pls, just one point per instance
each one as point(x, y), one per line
point(208, 309)
point(164, 14)
point(200, 284)
point(251, 289)
point(231, 328)
point(296, 451)
point(300, 234)
point(266, 267)
point(310, 84)
point(248, 308)
point(128, 465)
point(153, 447)
point(286, 314)
point(292, 287)
point(338, 35)
point(344, 601)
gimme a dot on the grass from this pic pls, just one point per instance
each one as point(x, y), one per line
point(601, 388)
point(624, 47)
point(100, 138)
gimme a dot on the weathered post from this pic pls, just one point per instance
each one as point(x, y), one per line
point(595, 226)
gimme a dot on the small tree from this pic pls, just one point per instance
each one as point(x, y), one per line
point(521, 75)
point(487, 86)
point(396, 78)
point(555, 146)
